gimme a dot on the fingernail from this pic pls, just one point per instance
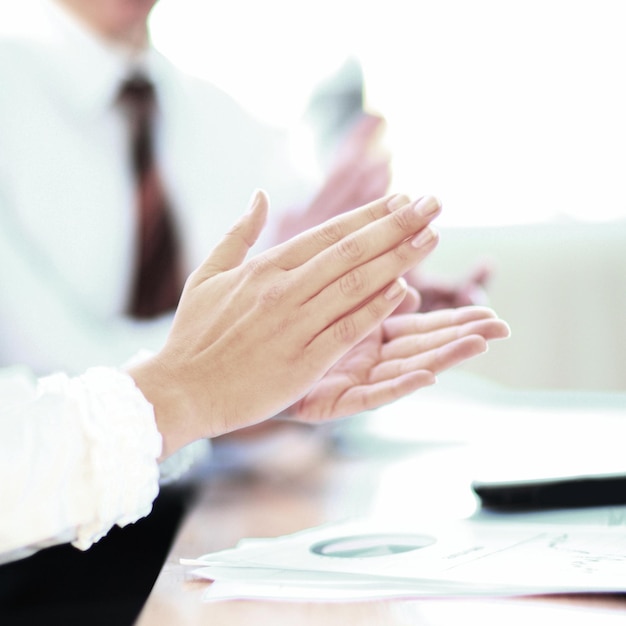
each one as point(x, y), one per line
point(427, 206)
point(424, 237)
point(397, 288)
point(254, 199)
point(397, 202)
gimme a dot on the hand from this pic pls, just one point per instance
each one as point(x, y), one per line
point(250, 339)
point(359, 174)
point(400, 356)
point(435, 294)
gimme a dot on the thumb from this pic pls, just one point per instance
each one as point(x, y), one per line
point(234, 246)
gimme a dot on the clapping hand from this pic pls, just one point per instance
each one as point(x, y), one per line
point(303, 325)
point(360, 173)
point(402, 355)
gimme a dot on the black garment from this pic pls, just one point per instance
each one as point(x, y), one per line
point(106, 585)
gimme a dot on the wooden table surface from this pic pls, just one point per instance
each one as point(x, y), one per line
point(311, 486)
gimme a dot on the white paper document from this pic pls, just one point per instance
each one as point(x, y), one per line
point(360, 559)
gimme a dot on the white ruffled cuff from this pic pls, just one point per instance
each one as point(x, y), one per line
point(122, 444)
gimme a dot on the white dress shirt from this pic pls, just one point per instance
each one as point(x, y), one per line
point(67, 213)
point(78, 453)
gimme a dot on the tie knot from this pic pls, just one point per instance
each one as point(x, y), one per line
point(137, 99)
point(137, 93)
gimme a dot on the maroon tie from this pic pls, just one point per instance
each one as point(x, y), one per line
point(158, 278)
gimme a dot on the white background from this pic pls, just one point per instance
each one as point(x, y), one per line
point(510, 112)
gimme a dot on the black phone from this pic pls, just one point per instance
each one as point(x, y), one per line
point(554, 492)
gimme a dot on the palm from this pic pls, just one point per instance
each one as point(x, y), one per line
point(342, 389)
point(402, 355)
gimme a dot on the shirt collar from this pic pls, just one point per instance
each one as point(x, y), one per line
point(83, 69)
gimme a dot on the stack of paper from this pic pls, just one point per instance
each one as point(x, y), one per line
point(359, 560)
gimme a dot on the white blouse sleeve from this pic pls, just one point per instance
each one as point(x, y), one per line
point(77, 456)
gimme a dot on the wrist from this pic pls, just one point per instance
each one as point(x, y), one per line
point(157, 384)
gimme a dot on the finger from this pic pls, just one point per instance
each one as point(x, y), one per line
point(306, 245)
point(470, 294)
point(472, 290)
point(411, 302)
point(235, 245)
point(347, 187)
point(399, 325)
point(409, 345)
point(355, 287)
point(364, 397)
point(331, 343)
point(452, 354)
point(395, 242)
point(480, 275)
point(437, 360)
